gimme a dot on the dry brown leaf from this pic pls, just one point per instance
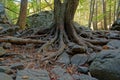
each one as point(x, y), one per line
point(25, 77)
point(105, 47)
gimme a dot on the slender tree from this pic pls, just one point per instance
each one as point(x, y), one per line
point(22, 14)
point(109, 13)
point(118, 10)
point(92, 4)
point(104, 13)
point(114, 14)
point(95, 16)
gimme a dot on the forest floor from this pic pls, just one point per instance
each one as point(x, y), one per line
point(19, 57)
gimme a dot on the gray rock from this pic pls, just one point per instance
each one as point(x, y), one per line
point(64, 58)
point(114, 43)
point(17, 66)
point(76, 77)
point(75, 49)
point(42, 19)
point(2, 51)
point(113, 35)
point(91, 57)
point(29, 74)
point(116, 25)
point(82, 69)
point(86, 77)
point(106, 65)
point(83, 77)
point(63, 75)
point(5, 69)
point(79, 59)
point(4, 76)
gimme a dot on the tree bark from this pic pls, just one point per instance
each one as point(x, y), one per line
point(92, 3)
point(114, 14)
point(95, 15)
point(64, 15)
point(118, 10)
point(22, 15)
point(104, 13)
point(110, 14)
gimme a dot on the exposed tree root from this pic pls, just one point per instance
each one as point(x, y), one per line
point(55, 40)
point(97, 42)
point(61, 40)
point(21, 41)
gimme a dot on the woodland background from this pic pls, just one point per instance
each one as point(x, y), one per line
point(98, 14)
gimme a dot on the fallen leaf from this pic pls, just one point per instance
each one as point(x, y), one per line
point(25, 77)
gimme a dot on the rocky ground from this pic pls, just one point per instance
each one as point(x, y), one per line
point(21, 62)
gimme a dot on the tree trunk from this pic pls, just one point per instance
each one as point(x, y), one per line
point(22, 15)
point(114, 17)
point(110, 14)
point(95, 15)
point(64, 15)
point(104, 13)
point(118, 10)
point(92, 3)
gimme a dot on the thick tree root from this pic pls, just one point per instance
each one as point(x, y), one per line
point(61, 47)
point(21, 41)
point(62, 40)
point(55, 41)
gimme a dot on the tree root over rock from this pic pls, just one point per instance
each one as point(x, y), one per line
point(61, 40)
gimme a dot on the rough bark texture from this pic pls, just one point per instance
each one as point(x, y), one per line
point(22, 15)
point(104, 12)
point(92, 3)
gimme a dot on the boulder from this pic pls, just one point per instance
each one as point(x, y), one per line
point(64, 58)
point(5, 69)
point(114, 44)
point(4, 76)
point(106, 65)
point(62, 73)
point(91, 57)
point(83, 77)
point(82, 69)
point(42, 19)
point(116, 25)
point(79, 59)
point(17, 66)
point(29, 74)
point(113, 35)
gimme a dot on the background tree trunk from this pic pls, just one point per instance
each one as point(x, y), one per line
point(92, 4)
point(104, 13)
point(95, 16)
point(22, 15)
point(114, 17)
point(118, 10)
point(110, 14)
